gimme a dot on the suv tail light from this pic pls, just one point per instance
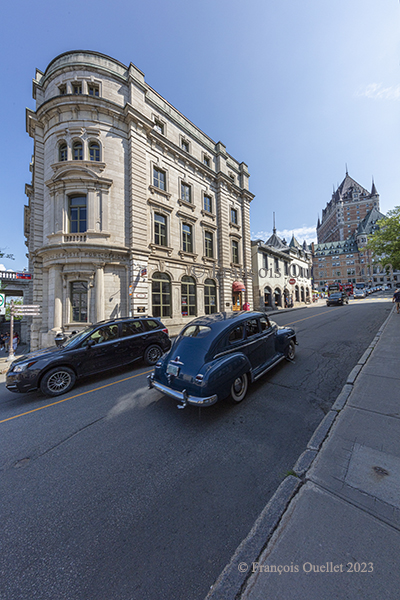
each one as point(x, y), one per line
point(165, 331)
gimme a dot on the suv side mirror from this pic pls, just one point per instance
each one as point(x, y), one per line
point(90, 343)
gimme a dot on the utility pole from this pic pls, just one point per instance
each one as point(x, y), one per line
point(11, 342)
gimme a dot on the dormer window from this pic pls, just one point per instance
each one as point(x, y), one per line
point(185, 145)
point(206, 161)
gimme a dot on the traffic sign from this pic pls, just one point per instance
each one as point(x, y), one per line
point(292, 281)
point(2, 304)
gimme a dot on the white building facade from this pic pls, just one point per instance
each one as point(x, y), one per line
point(132, 209)
point(281, 273)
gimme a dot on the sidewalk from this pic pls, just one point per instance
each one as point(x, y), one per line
point(5, 363)
point(332, 530)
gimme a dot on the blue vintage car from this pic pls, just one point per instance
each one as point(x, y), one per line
point(218, 355)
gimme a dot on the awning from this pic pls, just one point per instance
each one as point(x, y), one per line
point(238, 286)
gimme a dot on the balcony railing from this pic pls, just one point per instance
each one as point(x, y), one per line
point(75, 237)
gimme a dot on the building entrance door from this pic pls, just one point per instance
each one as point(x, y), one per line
point(236, 301)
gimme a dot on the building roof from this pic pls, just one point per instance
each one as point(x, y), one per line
point(368, 224)
point(275, 242)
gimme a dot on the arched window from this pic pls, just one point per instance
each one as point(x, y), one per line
point(77, 151)
point(277, 297)
point(94, 151)
point(79, 303)
point(210, 297)
point(302, 294)
point(161, 295)
point(188, 296)
point(77, 214)
point(296, 292)
point(267, 296)
point(62, 152)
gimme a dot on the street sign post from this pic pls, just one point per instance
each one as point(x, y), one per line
point(2, 304)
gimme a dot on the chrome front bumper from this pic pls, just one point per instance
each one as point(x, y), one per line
point(181, 396)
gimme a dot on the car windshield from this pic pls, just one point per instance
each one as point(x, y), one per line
point(77, 337)
point(336, 295)
point(199, 331)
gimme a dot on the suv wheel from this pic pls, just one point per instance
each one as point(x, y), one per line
point(57, 381)
point(152, 354)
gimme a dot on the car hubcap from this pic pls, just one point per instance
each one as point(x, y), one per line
point(59, 381)
point(238, 386)
point(154, 354)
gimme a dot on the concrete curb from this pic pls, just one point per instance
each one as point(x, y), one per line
point(231, 581)
point(233, 577)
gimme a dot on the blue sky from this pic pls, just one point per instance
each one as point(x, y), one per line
point(294, 89)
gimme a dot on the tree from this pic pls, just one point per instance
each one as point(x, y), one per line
point(4, 255)
point(384, 244)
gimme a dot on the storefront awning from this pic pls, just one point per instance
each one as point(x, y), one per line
point(238, 286)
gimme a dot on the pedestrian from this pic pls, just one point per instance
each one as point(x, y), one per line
point(6, 340)
point(246, 306)
point(1, 341)
point(15, 341)
point(396, 298)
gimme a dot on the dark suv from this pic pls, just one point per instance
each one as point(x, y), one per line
point(105, 345)
point(337, 299)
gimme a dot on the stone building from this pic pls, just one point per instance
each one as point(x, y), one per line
point(132, 208)
point(281, 273)
point(348, 206)
point(347, 260)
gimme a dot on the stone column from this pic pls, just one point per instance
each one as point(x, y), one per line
point(99, 287)
point(58, 297)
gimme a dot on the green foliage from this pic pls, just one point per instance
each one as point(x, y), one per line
point(4, 255)
point(384, 244)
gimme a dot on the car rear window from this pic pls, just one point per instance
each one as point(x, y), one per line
point(152, 324)
point(236, 334)
point(199, 331)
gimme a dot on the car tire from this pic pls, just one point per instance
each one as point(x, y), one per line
point(57, 381)
point(152, 355)
point(290, 350)
point(239, 388)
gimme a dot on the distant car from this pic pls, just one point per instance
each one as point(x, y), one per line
point(337, 299)
point(100, 347)
point(219, 355)
point(358, 294)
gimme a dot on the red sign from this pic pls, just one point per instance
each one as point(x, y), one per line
point(292, 281)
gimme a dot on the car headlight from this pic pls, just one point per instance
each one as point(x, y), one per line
point(22, 367)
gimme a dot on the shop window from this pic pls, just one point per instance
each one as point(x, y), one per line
point(161, 295)
point(79, 301)
point(210, 297)
point(188, 296)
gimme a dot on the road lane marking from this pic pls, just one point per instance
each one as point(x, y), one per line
point(305, 318)
point(76, 396)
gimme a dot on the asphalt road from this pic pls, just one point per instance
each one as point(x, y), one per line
point(112, 493)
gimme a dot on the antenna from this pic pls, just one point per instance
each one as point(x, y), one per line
point(274, 228)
